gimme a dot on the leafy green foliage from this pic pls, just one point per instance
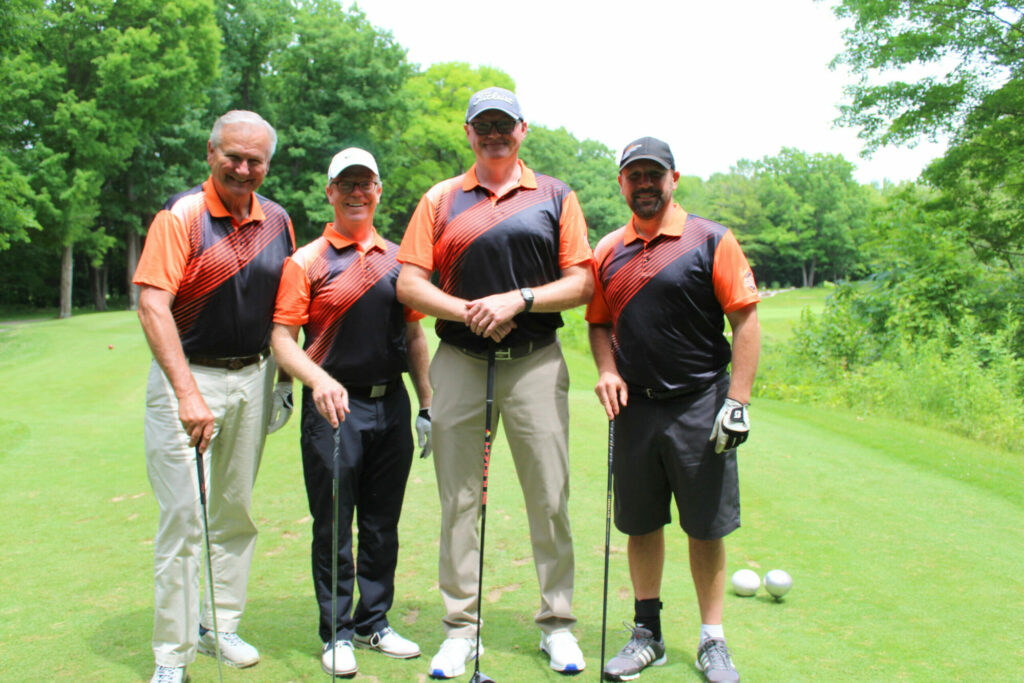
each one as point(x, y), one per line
point(588, 167)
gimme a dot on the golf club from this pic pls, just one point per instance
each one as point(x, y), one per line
point(607, 539)
point(477, 676)
point(209, 559)
point(334, 552)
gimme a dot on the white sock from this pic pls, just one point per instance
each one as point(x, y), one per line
point(711, 631)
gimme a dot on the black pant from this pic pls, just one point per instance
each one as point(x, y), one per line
point(374, 459)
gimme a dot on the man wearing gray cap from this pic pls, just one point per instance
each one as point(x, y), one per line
point(510, 248)
point(340, 288)
point(666, 282)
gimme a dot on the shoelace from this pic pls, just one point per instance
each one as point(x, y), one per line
point(231, 639)
point(640, 637)
point(717, 655)
point(166, 674)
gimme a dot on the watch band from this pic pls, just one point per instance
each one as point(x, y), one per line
point(527, 294)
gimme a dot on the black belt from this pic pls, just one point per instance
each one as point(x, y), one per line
point(513, 352)
point(657, 395)
point(375, 390)
point(230, 363)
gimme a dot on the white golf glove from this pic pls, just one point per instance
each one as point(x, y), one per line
point(732, 426)
point(282, 408)
point(423, 432)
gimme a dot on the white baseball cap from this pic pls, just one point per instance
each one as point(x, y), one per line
point(353, 156)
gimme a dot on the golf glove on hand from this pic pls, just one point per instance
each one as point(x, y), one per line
point(282, 408)
point(423, 432)
point(731, 426)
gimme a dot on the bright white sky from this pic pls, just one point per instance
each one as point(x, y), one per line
point(718, 80)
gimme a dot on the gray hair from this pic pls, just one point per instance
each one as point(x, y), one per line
point(242, 116)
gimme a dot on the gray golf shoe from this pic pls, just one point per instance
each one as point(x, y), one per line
point(641, 651)
point(714, 660)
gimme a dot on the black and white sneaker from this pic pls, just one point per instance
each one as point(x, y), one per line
point(641, 651)
point(714, 660)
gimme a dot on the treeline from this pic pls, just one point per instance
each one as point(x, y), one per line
point(933, 331)
point(108, 105)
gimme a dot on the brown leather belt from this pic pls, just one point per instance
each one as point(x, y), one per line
point(513, 352)
point(231, 363)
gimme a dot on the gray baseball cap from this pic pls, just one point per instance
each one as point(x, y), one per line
point(494, 98)
point(648, 148)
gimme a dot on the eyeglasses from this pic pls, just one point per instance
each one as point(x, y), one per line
point(346, 186)
point(504, 126)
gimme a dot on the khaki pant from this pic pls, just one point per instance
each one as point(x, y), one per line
point(240, 401)
point(531, 394)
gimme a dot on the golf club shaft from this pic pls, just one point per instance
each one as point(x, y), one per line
point(483, 505)
point(334, 552)
point(607, 541)
point(201, 474)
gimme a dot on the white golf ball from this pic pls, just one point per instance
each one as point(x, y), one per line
point(745, 582)
point(777, 582)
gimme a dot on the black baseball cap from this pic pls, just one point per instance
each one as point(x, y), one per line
point(494, 98)
point(648, 148)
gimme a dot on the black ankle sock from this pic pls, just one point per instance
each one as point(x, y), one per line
point(648, 615)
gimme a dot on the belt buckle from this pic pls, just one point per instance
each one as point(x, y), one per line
point(378, 390)
point(235, 364)
point(503, 354)
point(649, 393)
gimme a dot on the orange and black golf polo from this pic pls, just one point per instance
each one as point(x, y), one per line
point(223, 275)
point(481, 244)
point(666, 297)
point(344, 298)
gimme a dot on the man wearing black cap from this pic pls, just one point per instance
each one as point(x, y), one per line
point(666, 281)
point(510, 247)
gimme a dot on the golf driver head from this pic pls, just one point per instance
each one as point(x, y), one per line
point(480, 677)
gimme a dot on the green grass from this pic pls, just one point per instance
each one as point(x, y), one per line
point(905, 544)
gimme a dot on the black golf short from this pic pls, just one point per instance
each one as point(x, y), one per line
point(661, 450)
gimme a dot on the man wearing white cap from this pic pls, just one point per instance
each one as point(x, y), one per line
point(359, 339)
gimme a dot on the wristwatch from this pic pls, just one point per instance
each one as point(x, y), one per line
point(527, 297)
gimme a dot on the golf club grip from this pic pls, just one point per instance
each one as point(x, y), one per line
point(201, 475)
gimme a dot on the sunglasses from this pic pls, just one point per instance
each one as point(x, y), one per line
point(504, 127)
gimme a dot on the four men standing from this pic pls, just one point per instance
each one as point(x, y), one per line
point(510, 250)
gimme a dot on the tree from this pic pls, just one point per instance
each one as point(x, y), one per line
point(337, 84)
point(94, 79)
point(813, 212)
point(588, 167)
point(973, 52)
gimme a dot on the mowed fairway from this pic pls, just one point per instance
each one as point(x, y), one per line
point(906, 552)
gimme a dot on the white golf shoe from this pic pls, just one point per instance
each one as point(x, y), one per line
point(169, 674)
point(388, 642)
point(450, 660)
point(234, 651)
point(565, 655)
point(343, 658)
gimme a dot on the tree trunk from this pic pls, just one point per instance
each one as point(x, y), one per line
point(67, 269)
point(98, 282)
point(807, 270)
point(132, 250)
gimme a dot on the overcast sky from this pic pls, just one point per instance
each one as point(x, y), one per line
point(719, 81)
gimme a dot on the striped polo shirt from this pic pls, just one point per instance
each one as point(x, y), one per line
point(344, 299)
point(666, 299)
point(481, 244)
point(223, 274)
